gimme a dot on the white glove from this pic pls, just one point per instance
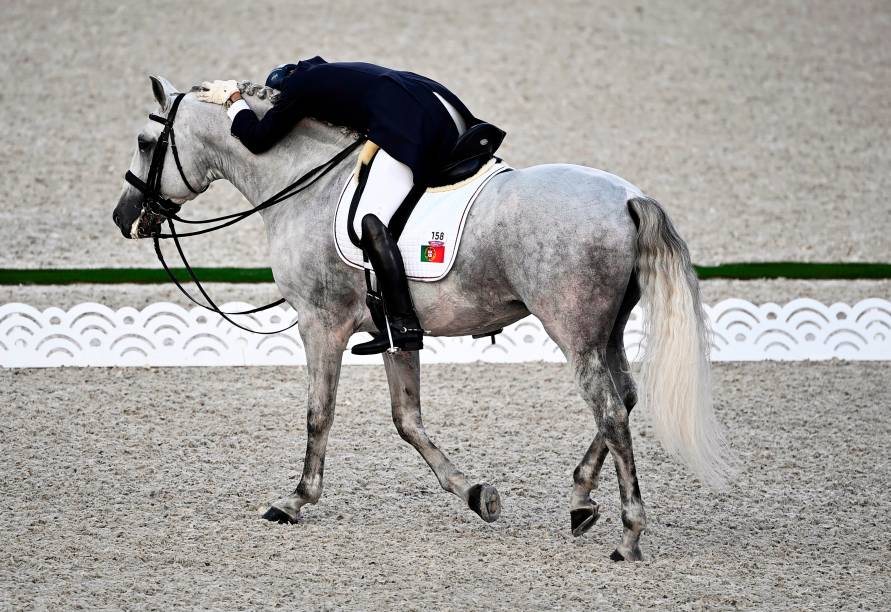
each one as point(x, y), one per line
point(218, 92)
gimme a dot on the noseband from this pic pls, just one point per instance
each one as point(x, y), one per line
point(157, 204)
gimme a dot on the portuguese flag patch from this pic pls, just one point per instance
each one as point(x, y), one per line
point(434, 252)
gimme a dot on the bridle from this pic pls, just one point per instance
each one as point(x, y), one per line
point(153, 201)
point(156, 204)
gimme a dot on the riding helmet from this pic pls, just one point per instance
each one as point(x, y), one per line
point(278, 75)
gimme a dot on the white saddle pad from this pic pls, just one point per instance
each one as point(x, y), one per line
point(429, 242)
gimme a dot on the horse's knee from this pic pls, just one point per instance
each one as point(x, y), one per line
point(318, 420)
point(408, 428)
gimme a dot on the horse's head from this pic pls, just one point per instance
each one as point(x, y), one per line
point(169, 167)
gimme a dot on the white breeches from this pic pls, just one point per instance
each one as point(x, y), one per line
point(389, 181)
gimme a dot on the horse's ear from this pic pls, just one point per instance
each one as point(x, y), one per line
point(163, 89)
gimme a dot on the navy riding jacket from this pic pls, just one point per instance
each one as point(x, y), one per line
point(394, 109)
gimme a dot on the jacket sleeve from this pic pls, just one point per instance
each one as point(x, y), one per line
point(258, 135)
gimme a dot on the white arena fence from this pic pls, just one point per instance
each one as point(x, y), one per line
point(165, 334)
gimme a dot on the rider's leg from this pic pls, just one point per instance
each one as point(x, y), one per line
point(404, 329)
point(389, 181)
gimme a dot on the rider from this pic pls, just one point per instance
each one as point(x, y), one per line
point(414, 120)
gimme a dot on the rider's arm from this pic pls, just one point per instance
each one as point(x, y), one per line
point(258, 135)
point(236, 105)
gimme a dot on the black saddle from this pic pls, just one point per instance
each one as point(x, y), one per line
point(475, 147)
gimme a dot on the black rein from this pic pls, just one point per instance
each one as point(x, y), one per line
point(156, 204)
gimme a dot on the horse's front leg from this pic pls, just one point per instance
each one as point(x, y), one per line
point(324, 342)
point(404, 377)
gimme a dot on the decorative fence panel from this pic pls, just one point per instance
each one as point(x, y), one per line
point(165, 334)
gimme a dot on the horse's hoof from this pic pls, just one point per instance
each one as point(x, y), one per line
point(582, 519)
point(631, 555)
point(279, 516)
point(485, 501)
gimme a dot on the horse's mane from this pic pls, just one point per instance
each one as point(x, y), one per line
point(262, 92)
point(247, 88)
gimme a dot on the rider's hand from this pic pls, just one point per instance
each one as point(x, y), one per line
point(217, 92)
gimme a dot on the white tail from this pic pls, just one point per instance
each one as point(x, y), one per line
point(676, 385)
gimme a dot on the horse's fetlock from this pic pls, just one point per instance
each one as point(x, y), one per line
point(309, 492)
point(584, 476)
point(634, 518)
point(454, 481)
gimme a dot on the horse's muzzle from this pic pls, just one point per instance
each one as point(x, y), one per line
point(134, 221)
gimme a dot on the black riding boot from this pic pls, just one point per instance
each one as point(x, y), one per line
point(383, 253)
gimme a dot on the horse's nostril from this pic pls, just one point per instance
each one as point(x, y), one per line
point(117, 218)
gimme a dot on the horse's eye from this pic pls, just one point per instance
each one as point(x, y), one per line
point(143, 143)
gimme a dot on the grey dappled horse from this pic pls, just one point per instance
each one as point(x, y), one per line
point(591, 246)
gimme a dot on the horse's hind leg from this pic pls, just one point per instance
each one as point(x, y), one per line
point(404, 376)
point(583, 510)
point(616, 359)
point(597, 388)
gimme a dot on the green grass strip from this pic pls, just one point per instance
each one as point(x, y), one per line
point(738, 271)
point(796, 270)
point(115, 276)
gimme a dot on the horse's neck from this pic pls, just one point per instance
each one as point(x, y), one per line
point(258, 177)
